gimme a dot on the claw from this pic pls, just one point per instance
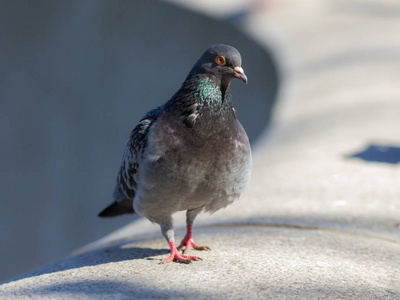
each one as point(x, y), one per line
point(188, 242)
point(176, 256)
point(201, 248)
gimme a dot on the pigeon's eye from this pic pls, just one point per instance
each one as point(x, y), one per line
point(220, 60)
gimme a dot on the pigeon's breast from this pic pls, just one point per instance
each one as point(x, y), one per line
point(184, 168)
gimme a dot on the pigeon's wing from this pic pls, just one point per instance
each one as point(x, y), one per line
point(125, 188)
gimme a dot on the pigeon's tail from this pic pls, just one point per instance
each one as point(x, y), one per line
point(116, 209)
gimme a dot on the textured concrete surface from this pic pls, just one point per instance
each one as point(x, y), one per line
point(321, 218)
point(245, 262)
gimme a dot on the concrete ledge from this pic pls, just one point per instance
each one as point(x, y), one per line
point(246, 261)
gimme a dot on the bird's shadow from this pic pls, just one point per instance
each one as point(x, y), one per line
point(378, 153)
point(115, 253)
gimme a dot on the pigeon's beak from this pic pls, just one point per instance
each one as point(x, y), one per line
point(239, 73)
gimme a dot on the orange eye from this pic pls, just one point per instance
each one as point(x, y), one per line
point(220, 60)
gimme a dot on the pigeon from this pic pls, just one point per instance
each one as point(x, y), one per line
point(190, 154)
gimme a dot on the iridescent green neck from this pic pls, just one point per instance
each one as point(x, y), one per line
point(208, 92)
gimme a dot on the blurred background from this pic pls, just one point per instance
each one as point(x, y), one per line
point(75, 78)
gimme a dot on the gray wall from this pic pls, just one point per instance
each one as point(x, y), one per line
point(75, 77)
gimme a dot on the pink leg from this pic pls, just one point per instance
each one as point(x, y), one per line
point(176, 256)
point(188, 241)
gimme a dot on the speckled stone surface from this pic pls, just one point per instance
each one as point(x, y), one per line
point(246, 261)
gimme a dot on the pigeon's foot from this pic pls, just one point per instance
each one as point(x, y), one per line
point(188, 242)
point(176, 256)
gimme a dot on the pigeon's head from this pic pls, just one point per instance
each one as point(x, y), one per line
point(221, 63)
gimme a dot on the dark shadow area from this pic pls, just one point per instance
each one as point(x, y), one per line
point(103, 288)
point(116, 253)
point(379, 153)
